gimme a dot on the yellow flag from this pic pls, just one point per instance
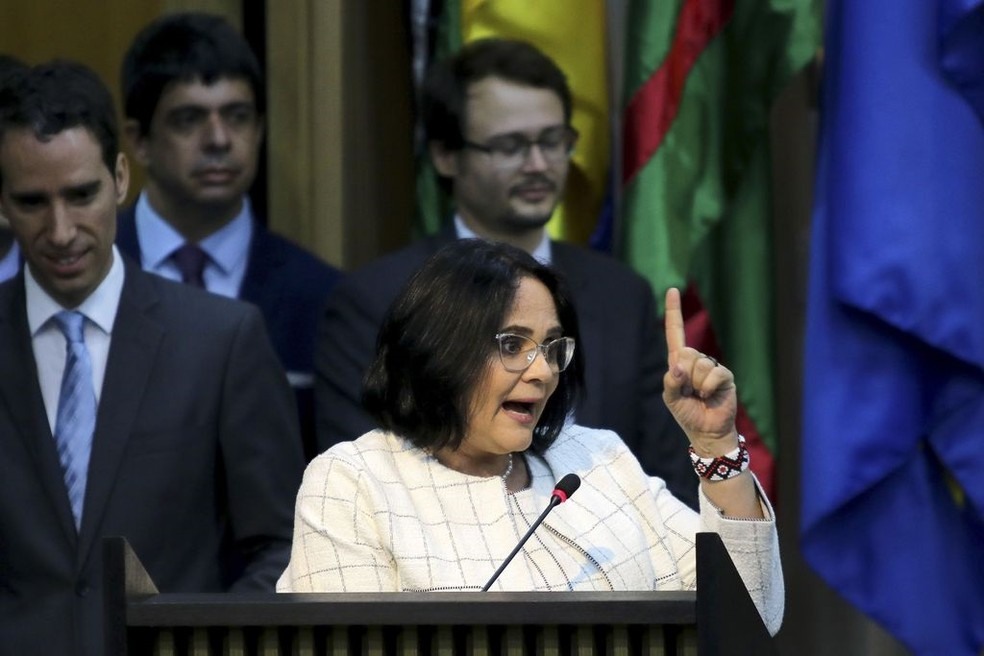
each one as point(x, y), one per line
point(572, 33)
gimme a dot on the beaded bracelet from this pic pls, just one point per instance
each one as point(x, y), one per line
point(723, 467)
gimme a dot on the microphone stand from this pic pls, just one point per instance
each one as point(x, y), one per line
point(554, 502)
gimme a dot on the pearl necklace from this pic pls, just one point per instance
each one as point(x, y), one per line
point(509, 468)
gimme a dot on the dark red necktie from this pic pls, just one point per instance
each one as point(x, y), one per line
point(191, 261)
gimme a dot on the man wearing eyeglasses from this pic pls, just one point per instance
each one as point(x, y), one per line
point(497, 117)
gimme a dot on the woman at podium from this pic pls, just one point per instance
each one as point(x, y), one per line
point(474, 385)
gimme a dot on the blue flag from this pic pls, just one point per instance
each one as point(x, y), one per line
point(892, 476)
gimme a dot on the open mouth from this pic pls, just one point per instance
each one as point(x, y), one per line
point(522, 411)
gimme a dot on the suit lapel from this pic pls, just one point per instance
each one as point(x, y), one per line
point(21, 393)
point(565, 260)
point(126, 233)
point(135, 341)
point(261, 284)
point(441, 238)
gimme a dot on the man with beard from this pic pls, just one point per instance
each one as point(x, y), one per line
point(498, 123)
point(193, 96)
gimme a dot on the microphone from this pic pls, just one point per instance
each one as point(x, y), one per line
point(562, 492)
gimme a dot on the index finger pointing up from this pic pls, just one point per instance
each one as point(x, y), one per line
point(676, 338)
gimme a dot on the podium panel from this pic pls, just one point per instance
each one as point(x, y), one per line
point(407, 640)
point(140, 620)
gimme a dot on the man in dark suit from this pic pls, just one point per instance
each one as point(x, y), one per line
point(129, 404)
point(10, 259)
point(194, 96)
point(497, 117)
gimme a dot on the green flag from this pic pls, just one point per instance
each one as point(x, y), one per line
point(701, 76)
point(433, 202)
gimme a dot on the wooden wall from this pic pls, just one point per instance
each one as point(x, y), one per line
point(340, 135)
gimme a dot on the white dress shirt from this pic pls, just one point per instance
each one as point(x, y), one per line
point(541, 253)
point(48, 341)
point(10, 263)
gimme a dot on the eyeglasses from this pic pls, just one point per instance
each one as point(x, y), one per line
point(518, 352)
point(510, 151)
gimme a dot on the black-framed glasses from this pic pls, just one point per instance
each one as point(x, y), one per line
point(517, 352)
point(510, 151)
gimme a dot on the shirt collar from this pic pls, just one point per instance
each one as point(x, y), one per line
point(541, 253)
point(99, 307)
point(10, 263)
point(226, 247)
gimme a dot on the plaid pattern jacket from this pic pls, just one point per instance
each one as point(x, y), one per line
point(379, 515)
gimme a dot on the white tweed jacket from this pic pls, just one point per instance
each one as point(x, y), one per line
point(379, 515)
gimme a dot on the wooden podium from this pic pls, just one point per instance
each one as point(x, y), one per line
point(718, 619)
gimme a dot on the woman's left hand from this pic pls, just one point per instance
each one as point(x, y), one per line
point(698, 390)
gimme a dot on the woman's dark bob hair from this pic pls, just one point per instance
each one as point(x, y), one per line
point(438, 340)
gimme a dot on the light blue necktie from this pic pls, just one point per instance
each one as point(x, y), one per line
point(76, 421)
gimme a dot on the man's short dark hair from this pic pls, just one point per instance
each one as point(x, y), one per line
point(437, 343)
point(448, 81)
point(57, 96)
point(184, 47)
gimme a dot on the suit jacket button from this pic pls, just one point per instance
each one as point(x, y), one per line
point(82, 589)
